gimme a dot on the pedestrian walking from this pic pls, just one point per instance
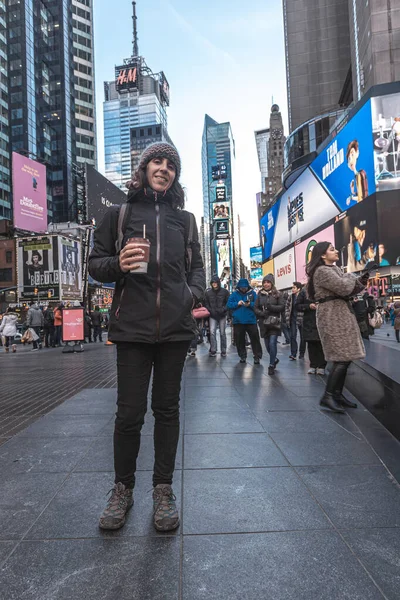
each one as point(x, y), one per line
point(58, 319)
point(285, 325)
point(48, 327)
point(311, 337)
point(337, 325)
point(396, 312)
point(241, 302)
point(8, 329)
point(294, 319)
point(88, 328)
point(159, 277)
point(35, 321)
point(215, 300)
point(97, 320)
point(269, 307)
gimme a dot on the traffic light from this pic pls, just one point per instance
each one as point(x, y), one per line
point(49, 294)
point(35, 291)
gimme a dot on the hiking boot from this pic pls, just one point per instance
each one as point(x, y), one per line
point(271, 370)
point(120, 502)
point(276, 362)
point(166, 516)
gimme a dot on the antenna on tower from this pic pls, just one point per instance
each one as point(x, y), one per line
point(135, 34)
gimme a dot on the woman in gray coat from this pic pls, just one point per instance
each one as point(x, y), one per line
point(337, 325)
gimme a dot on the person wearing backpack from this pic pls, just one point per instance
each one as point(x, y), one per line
point(48, 327)
point(150, 322)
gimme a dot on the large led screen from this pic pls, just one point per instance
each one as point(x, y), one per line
point(29, 194)
point(388, 208)
point(303, 208)
point(223, 259)
point(285, 270)
point(256, 262)
point(38, 268)
point(303, 251)
point(356, 236)
point(69, 252)
point(346, 166)
point(386, 130)
point(100, 194)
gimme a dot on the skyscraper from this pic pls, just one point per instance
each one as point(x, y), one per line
point(37, 47)
point(135, 114)
point(220, 221)
point(262, 143)
point(84, 83)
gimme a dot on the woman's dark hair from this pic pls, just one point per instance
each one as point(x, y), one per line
point(175, 193)
point(316, 261)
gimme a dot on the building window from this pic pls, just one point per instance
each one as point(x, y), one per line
point(5, 274)
point(16, 113)
point(8, 256)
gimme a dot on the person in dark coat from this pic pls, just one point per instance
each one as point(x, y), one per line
point(97, 320)
point(215, 301)
point(269, 307)
point(150, 322)
point(364, 307)
point(88, 327)
point(311, 336)
point(294, 320)
point(241, 303)
point(48, 327)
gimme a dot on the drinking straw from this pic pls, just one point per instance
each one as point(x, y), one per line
point(144, 232)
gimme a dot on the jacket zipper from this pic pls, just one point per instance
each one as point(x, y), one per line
point(158, 257)
point(119, 304)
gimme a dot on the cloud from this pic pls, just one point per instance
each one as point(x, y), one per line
point(186, 26)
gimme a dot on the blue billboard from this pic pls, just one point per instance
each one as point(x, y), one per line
point(256, 259)
point(345, 167)
point(268, 223)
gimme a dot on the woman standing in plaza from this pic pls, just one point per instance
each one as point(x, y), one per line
point(341, 340)
point(159, 277)
point(269, 307)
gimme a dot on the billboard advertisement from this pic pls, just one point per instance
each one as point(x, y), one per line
point(127, 76)
point(220, 193)
point(256, 262)
point(285, 270)
point(346, 166)
point(70, 268)
point(268, 267)
point(222, 229)
point(219, 172)
point(388, 208)
point(223, 258)
point(29, 194)
point(38, 268)
point(303, 208)
point(221, 210)
point(303, 251)
point(356, 236)
point(386, 135)
point(73, 325)
point(164, 88)
point(100, 195)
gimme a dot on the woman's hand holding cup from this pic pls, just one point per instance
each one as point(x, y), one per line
point(130, 257)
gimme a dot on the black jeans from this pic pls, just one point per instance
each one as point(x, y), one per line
point(135, 363)
point(316, 355)
point(240, 338)
point(97, 333)
point(397, 332)
point(293, 339)
point(38, 342)
point(49, 332)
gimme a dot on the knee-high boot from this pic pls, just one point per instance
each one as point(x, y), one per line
point(341, 378)
point(328, 400)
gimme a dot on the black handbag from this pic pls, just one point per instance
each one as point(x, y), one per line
point(272, 321)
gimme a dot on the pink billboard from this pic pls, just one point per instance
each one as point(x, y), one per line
point(29, 194)
point(303, 251)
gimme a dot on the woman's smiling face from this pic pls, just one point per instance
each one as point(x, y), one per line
point(161, 174)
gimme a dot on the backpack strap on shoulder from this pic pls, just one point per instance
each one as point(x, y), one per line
point(123, 213)
point(189, 231)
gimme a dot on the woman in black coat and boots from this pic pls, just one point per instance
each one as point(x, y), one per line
point(269, 307)
point(159, 276)
point(311, 336)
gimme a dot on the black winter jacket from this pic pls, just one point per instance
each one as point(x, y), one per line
point(154, 306)
point(215, 302)
point(97, 318)
point(269, 304)
point(310, 330)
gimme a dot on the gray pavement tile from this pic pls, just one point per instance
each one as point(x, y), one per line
point(3, 440)
point(234, 421)
point(246, 500)
point(306, 565)
point(208, 382)
point(227, 392)
point(386, 446)
point(66, 426)
point(355, 496)
point(304, 421)
point(214, 403)
point(280, 400)
point(226, 451)
point(132, 569)
point(75, 511)
point(100, 456)
point(23, 497)
point(104, 402)
point(316, 448)
point(5, 549)
point(379, 551)
point(42, 455)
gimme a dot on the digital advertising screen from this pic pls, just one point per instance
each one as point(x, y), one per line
point(303, 251)
point(302, 209)
point(267, 225)
point(268, 268)
point(256, 262)
point(388, 209)
point(221, 210)
point(386, 135)
point(285, 270)
point(38, 268)
point(73, 325)
point(127, 77)
point(29, 194)
point(223, 259)
point(220, 193)
point(346, 166)
point(100, 195)
point(70, 268)
point(356, 236)
point(219, 172)
point(222, 229)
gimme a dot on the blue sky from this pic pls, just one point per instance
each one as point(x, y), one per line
point(222, 57)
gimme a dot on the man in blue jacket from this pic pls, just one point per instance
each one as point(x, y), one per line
point(241, 303)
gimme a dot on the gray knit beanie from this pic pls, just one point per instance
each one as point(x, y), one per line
point(269, 278)
point(161, 150)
